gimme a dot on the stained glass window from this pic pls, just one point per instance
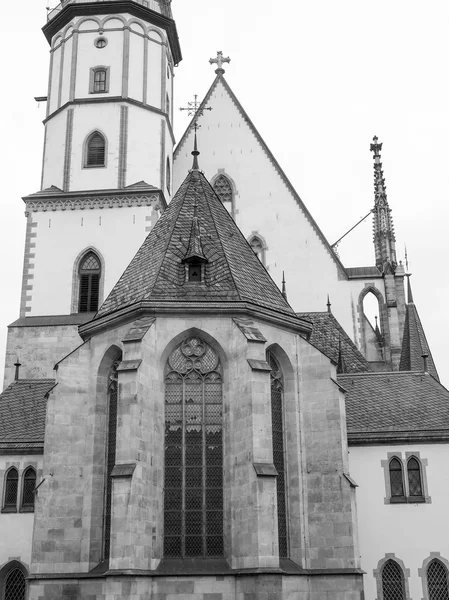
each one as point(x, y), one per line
point(11, 488)
point(90, 272)
point(437, 581)
point(392, 581)
point(414, 477)
point(193, 501)
point(29, 484)
point(96, 150)
point(396, 478)
point(277, 425)
point(15, 585)
point(110, 452)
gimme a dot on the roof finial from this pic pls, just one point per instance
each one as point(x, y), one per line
point(329, 305)
point(219, 62)
point(17, 365)
point(284, 288)
point(195, 154)
point(384, 238)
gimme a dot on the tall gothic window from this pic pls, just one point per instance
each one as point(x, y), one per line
point(414, 477)
point(15, 585)
point(29, 485)
point(11, 490)
point(437, 581)
point(393, 587)
point(111, 444)
point(277, 426)
point(89, 277)
point(168, 176)
point(223, 188)
point(396, 478)
point(193, 502)
point(95, 150)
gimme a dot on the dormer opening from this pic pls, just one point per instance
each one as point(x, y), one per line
point(195, 271)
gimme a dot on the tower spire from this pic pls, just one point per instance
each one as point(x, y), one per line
point(383, 228)
point(195, 154)
point(284, 288)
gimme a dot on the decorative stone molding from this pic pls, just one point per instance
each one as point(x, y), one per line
point(91, 202)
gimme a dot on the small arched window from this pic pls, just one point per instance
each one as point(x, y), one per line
point(257, 246)
point(11, 490)
point(95, 150)
point(15, 585)
point(396, 479)
point(393, 587)
point(29, 485)
point(437, 581)
point(89, 277)
point(168, 176)
point(414, 477)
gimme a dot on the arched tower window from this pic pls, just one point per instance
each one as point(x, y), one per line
point(111, 445)
point(89, 278)
point(277, 426)
point(95, 150)
point(372, 325)
point(415, 487)
point(15, 585)
point(29, 485)
point(11, 490)
point(193, 502)
point(393, 587)
point(437, 581)
point(396, 479)
point(168, 176)
point(224, 190)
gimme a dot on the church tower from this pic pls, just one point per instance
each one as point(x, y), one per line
point(107, 160)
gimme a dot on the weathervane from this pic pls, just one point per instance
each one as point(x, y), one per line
point(219, 62)
point(195, 110)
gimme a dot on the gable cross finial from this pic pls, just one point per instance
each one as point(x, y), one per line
point(219, 61)
point(195, 110)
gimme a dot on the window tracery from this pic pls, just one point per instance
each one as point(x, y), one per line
point(393, 587)
point(396, 479)
point(15, 585)
point(11, 490)
point(193, 502)
point(437, 581)
point(414, 477)
point(89, 283)
point(223, 188)
point(29, 485)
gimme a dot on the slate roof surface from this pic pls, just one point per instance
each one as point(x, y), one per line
point(233, 273)
point(326, 336)
point(22, 413)
point(414, 344)
point(391, 403)
point(356, 272)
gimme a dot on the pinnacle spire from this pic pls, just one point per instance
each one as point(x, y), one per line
point(383, 228)
point(284, 288)
point(195, 154)
point(341, 365)
point(195, 251)
point(329, 305)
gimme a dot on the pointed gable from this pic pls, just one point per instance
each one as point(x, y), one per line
point(157, 274)
point(414, 344)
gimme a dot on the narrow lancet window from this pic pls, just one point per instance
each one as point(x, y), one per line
point(111, 444)
point(89, 277)
point(29, 485)
point(95, 150)
point(277, 425)
point(168, 176)
point(193, 502)
point(11, 490)
point(414, 477)
point(396, 479)
point(393, 587)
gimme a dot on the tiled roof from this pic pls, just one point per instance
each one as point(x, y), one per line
point(233, 273)
point(327, 334)
point(22, 414)
point(395, 406)
point(360, 272)
point(414, 344)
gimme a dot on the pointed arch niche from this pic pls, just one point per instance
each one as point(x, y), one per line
point(225, 189)
point(373, 325)
point(88, 274)
point(259, 246)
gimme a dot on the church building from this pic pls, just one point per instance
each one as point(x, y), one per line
point(183, 415)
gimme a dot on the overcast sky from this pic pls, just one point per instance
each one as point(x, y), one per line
point(318, 78)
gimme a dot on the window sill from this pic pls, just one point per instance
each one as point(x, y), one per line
point(398, 500)
point(416, 499)
point(9, 509)
point(105, 92)
point(407, 500)
point(94, 167)
point(26, 509)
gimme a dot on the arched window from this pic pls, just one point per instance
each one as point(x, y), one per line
point(193, 502)
point(257, 246)
point(414, 477)
point(277, 427)
point(223, 189)
point(393, 587)
point(29, 485)
point(396, 479)
point(168, 176)
point(437, 581)
point(95, 150)
point(111, 446)
point(11, 490)
point(89, 277)
point(15, 585)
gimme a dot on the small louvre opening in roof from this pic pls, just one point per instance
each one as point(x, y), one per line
point(195, 272)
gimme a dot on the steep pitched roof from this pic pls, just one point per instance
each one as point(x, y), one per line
point(219, 79)
point(233, 273)
point(328, 336)
point(395, 406)
point(22, 415)
point(414, 344)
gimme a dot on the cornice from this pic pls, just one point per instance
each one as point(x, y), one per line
point(181, 309)
point(378, 438)
point(94, 199)
point(112, 7)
